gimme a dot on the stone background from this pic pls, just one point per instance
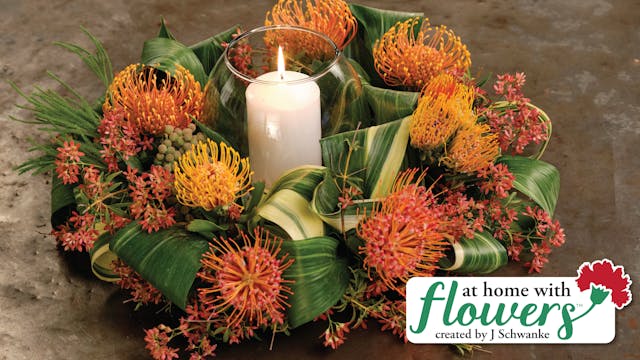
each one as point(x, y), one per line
point(582, 58)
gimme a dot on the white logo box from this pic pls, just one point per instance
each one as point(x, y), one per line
point(505, 310)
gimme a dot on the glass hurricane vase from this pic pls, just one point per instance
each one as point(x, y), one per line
point(277, 116)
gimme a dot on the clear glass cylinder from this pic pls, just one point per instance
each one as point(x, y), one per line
point(277, 117)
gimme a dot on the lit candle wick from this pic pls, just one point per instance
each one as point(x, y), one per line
point(280, 63)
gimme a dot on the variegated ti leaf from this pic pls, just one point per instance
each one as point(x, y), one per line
point(102, 258)
point(326, 204)
point(288, 203)
point(168, 259)
point(481, 255)
point(538, 180)
point(370, 158)
point(320, 277)
point(376, 158)
point(62, 199)
point(388, 105)
point(165, 54)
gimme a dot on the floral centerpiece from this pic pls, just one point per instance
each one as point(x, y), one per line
point(429, 175)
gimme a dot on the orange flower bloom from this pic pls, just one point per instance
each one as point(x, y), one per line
point(152, 100)
point(330, 17)
point(445, 104)
point(405, 59)
point(400, 236)
point(246, 280)
point(473, 148)
point(209, 176)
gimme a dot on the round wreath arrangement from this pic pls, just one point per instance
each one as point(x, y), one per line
point(436, 176)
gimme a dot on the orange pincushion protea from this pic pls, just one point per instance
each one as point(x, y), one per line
point(151, 100)
point(444, 106)
point(405, 59)
point(246, 280)
point(473, 148)
point(400, 236)
point(209, 175)
point(330, 17)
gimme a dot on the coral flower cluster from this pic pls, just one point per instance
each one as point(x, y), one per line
point(400, 236)
point(409, 58)
point(246, 280)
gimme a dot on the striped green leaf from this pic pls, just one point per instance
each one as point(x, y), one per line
point(168, 259)
point(288, 203)
point(62, 198)
point(164, 30)
point(481, 255)
point(326, 204)
point(302, 180)
point(388, 105)
point(538, 180)
point(210, 50)
point(377, 156)
point(207, 229)
point(320, 278)
point(101, 258)
point(164, 54)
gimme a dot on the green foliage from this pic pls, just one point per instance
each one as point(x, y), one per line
point(102, 258)
point(99, 63)
point(389, 105)
point(288, 203)
point(165, 54)
point(320, 277)
point(538, 180)
point(378, 153)
point(481, 255)
point(168, 259)
point(210, 50)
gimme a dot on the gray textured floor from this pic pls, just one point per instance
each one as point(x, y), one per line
point(582, 58)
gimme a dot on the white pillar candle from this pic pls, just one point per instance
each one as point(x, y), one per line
point(283, 120)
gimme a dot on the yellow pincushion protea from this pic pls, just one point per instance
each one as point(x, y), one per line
point(473, 148)
point(409, 59)
point(151, 100)
point(444, 106)
point(211, 175)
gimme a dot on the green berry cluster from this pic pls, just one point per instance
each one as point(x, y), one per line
point(174, 143)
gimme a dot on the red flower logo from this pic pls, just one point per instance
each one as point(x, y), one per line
point(604, 274)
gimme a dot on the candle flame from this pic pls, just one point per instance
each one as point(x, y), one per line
point(280, 63)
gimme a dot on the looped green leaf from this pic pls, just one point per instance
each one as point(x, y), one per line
point(62, 198)
point(388, 105)
point(168, 259)
point(288, 203)
point(376, 158)
point(538, 180)
point(481, 255)
point(320, 277)
point(165, 54)
point(102, 258)
point(325, 203)
point(210, 50)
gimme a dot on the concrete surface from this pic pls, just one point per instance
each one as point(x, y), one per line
point(582, 58)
